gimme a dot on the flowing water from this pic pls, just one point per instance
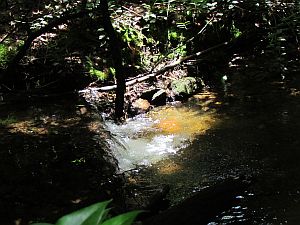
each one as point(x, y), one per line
point(147, 139)
point(211, 138)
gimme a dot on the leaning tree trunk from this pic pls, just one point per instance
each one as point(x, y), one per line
point(116, 53)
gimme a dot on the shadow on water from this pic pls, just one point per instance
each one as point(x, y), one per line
point(255, 135)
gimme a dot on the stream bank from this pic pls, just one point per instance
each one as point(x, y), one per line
point(54, 159)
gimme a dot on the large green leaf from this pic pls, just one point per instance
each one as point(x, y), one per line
point(95, 211)
point(97, 217)
point(123, 219)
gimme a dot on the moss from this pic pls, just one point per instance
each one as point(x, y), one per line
point(7, 121)
point(185, 86)
point(4, 55)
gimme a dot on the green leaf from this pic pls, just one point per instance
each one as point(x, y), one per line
point(112, 71)
point(97, 217)
point(123, 219)
point(96, 211)
point(99, 74)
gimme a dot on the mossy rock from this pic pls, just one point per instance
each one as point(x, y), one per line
point(185, 87)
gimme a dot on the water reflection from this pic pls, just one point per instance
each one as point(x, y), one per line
point(255, 137)
point(185, 121)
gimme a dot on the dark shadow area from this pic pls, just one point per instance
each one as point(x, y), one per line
point(53, 160)
point(258, 138)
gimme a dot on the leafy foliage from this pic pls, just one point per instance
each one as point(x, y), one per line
point(3, 55)
point(151, 32)
point(9, 120)
point(96, 214)
point(101, 75)
point(6, 53)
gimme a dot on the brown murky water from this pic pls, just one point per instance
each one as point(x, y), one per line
point(211, 138)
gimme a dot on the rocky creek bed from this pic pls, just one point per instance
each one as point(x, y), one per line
point(55, 159)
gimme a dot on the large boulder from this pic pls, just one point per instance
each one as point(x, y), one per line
point(184, 87)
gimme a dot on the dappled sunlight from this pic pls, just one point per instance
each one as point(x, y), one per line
point(42, 125)
point(168, 167)
point(294, 92)
point(26, 127)
point(183, 121)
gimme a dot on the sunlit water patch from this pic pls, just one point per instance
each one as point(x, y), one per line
point(149, 138)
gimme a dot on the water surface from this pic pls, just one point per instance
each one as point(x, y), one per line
point(215, 137)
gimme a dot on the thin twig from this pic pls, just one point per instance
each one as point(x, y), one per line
point(129, 10)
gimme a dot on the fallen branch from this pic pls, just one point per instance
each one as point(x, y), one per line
point(156, 73)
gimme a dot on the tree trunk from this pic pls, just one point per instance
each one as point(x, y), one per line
point(116, 53)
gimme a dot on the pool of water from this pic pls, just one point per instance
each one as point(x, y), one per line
point(150, 138)
point(212, 138)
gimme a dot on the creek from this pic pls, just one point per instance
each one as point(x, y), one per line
point(216, 136)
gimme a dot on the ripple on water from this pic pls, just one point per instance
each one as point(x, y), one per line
point(149, 138)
